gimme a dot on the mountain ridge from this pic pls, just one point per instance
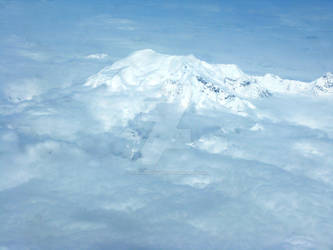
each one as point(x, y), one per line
point(189, 80)
point(140, 67)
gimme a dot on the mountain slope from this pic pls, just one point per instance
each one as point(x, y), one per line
point(157, 75)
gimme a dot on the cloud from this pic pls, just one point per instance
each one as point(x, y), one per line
point(311, 37)
point(197, 7)
point(305, 20)
point(120, 23)
point(107, 21)
point(19, 42)
point(97, 56)
point(67, 159)
point(33, 55)
point(23, 90)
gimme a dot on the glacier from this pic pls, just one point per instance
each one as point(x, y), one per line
point(168, 152)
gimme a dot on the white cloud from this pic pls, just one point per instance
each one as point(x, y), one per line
point(97, 56)
point(208, 8)
point(33, 55)
point(120, 23)
point(107, 21)
point(23, 90)
point(67, 157)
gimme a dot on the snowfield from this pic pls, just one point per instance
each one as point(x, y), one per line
point(168, 152)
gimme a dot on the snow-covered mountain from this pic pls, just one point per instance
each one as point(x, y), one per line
point(192, 81)
point(324, 85)
point(184, 79)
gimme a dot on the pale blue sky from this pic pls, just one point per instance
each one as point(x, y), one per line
point(47, 41)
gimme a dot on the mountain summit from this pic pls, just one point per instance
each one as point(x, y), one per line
point(194, 80)
point(324, 85)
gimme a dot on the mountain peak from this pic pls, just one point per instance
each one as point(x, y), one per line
point(183, 79)
point(158, 75)
point(324, 84)
point(328, 75)
point(145, 64)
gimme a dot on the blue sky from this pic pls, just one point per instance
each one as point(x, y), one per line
point(47, 41)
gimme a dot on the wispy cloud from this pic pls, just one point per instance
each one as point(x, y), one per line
point(194, 7)
point(97, 56)
point(19, 42)
point(22, 90)
point(107, 21)
point(20, 46)
point(307, 21)
point(33, 55)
